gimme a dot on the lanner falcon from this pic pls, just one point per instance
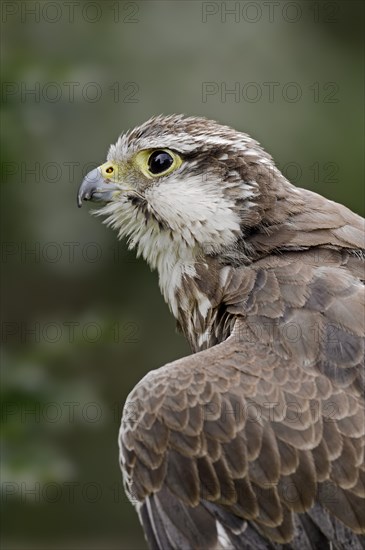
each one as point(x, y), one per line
point(256, 440)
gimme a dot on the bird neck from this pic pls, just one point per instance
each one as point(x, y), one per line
point(191, 286)
point(175, 266)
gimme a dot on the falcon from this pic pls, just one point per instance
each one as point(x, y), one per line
point(255, 440)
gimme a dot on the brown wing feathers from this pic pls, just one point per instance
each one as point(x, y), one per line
point(267, 425)
point(251, 467)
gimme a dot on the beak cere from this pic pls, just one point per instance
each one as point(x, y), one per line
point(95, 188)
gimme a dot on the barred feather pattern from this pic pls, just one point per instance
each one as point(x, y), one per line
point(262, 434)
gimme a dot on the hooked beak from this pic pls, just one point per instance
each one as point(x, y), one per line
point(96, 188)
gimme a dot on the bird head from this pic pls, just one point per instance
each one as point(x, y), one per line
point(182, 183)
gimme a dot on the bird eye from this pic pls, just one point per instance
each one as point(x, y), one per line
point(154, 163)
point(159, 162)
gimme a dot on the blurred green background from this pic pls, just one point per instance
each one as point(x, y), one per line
point(82, 320)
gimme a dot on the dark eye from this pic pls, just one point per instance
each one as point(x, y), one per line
point(159, 162)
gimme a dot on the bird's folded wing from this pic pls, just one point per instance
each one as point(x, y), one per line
point(238, 433)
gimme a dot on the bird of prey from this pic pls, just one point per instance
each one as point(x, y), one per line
point(256, 440)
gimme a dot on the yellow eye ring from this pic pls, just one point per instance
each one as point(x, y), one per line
point(156, 163)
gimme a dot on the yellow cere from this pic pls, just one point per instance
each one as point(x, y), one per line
point(111, 171)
